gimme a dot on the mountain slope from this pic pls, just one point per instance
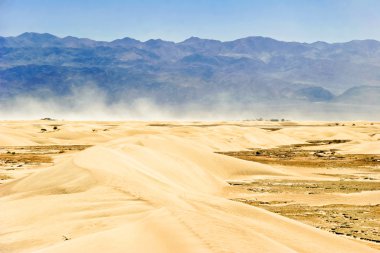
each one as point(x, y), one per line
point(242, 72)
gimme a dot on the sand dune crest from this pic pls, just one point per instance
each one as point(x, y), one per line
point(149, 193)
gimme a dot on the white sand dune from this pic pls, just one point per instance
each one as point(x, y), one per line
point(150, 191)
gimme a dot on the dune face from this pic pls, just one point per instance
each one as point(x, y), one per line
point(143, 187)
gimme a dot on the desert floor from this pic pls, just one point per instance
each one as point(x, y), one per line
point(242, 186)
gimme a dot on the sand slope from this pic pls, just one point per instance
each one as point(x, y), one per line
point(149, 192)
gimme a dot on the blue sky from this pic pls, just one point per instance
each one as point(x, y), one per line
point(176, 20)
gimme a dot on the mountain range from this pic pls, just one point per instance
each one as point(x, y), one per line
point(241, 73)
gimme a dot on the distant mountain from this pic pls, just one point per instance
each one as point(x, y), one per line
point(363, 95)
point(43, 40)
point(314, 94)
point(126, 42)
point(198, 71)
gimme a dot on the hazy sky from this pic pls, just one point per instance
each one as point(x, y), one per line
point(290, 20)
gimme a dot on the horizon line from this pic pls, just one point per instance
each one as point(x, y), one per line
point(191, 37)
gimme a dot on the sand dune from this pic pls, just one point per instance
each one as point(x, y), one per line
point(151, 189)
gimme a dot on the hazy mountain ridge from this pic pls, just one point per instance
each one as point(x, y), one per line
point(249, 70)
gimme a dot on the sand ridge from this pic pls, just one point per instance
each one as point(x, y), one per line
point(143, 188)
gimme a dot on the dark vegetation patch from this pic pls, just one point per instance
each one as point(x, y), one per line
point(295, 155)
point(21, 157)
point(357, 221)
point(309, 186)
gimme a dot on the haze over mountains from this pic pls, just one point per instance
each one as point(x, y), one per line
point(249, 77)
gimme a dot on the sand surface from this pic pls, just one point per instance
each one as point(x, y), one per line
point(160, 187)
